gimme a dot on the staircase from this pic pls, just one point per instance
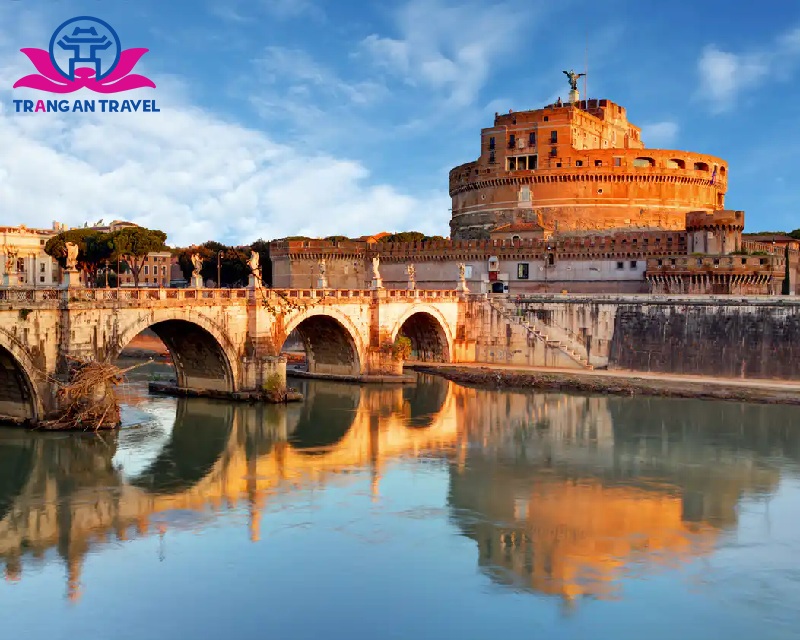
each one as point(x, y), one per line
point(538, 330)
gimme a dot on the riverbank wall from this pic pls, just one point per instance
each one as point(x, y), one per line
point(727, 336)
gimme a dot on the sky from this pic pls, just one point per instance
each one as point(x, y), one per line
point(321, 117)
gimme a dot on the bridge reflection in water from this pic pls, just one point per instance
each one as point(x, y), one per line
point(563, 494)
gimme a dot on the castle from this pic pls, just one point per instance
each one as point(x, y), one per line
point(566, 199)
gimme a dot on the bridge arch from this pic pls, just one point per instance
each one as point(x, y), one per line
point(332, 343)
point(19, 378)
point(428, 330)
point(203, 356)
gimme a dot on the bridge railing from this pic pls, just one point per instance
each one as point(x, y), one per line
point(129, 294)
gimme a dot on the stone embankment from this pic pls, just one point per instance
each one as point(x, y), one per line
point(619, 383)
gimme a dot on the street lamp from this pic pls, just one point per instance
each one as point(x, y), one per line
point(219, 269)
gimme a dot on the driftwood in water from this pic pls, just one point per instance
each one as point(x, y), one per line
point(88, 401)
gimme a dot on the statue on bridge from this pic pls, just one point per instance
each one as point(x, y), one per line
point(377, 281)
point(72, 256)
point(254, 281)
point(11, 259)
point(322, 280)
point(462, 278)
point(197, 264)
point(412, 277)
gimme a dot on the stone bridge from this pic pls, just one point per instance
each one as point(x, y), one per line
point(221, 340)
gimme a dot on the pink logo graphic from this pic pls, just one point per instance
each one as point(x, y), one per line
point(85, 53)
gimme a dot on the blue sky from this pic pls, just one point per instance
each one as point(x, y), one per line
point(318, 117)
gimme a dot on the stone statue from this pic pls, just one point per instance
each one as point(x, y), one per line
point(462, 271)
point(197, 263)
point(573, 79)
point(322, 267)
point(412, 276)
point(254, 262)
point(11, 259)
point(72, 256)
point(376, 263)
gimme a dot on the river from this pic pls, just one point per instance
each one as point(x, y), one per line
point(422, 511)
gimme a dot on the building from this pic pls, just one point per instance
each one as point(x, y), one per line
point(156, 271)
point(568, 199)
point(23, 261)
point(579, 166)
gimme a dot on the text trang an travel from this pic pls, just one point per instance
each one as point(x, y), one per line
point(92, 106)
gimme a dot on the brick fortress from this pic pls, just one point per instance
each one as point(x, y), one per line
point(567, 198)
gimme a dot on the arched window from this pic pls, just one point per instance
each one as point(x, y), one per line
point(644, 162)
point(700, 166)
point(675, 163)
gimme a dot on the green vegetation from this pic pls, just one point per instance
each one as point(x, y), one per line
point(409, 236)
point(97, 249)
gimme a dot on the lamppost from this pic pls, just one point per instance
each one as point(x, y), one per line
point(219, 269)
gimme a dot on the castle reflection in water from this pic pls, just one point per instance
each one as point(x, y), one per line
point(561, 493)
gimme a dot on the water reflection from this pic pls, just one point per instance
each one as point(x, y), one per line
point(562, 495)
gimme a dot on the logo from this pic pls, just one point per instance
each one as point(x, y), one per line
point(84, 53)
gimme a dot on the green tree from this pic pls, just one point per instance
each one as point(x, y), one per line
point(94, 248)
point(133, 244)
point(233, 267)
point(795, 234)
point(404, 236)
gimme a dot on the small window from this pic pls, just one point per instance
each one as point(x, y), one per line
point(491, 143)
point(660, 262)
point(675, 163)
point(41, 278)
point(551, 259)
point(42, 266)
point(700, 166)
point(164, 271)
point(617, 162)
point(716, 261)
point(532, 139)
point(598, 163)
point(644, 162)
point(699, 262)
point(522, 271)
point(146, 271)
point(491, 157)
point(672, 261)
point(620, 265)
point(515, 238)
point(762, 261)
point(522, 163)
point(546, 118)
point(553, 152)
point(512, 141)
point(553, 137)
point(467, 271)
point(633, 264)
point(558, 165)
point(511, 164)
point(579, 163)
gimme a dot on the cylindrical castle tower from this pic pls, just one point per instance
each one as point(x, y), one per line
point(582, 166)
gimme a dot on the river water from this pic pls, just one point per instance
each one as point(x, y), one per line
point(425, 511)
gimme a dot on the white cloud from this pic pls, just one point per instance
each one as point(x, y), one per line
point(192, 174)
point(725, 75)
point(660, 134)
point(447, 48)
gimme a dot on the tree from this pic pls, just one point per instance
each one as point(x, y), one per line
point(404, 236)
point(795, 234)
point(133, 244)
point(233, 267)
point(94, 248)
